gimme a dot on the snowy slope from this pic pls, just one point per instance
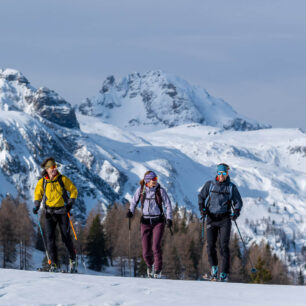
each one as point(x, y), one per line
point(157, 100)
point(268, 166)
point(40, 288)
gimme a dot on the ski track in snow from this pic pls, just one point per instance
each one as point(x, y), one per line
point(40, 288)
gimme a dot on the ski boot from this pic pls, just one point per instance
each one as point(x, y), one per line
point(214, 273)
point(72, 266)
point(213, 276)
point(223, 277)
point(149, 272)
point(157, 274)
point(53, 268)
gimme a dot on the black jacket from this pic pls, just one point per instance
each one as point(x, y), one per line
point(220, 201)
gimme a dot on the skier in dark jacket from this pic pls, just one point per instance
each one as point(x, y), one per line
point(152, 198)
point(216, 199)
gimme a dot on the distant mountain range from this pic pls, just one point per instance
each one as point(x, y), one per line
point(160, 122)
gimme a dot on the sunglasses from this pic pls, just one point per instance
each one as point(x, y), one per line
point(222, 173)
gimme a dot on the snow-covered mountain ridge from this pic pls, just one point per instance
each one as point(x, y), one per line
point(157, 100)
point(106, 163)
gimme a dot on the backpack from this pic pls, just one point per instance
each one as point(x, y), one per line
point(230, 192)
point(158, 198)
point(60, 180)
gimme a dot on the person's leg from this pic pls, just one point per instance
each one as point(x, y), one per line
point(225, 234)
point(212, 236)
point(158, 231)
point(50, 235)
point(65, 233)
point(146, 241)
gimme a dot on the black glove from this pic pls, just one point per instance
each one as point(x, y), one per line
point(68, 206)
point(35, 210)
point(204, 213)
point(129, 214)
point(235, 214)
point(169, 223)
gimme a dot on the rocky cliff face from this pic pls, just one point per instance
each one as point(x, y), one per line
point(35, 124)
point(156, 100)
point(17, 94)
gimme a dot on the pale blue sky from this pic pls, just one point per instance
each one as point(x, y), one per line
point(251, 53)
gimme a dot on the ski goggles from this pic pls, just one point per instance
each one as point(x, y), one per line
point(221, 173)
point(53, 167)
point(154, 179)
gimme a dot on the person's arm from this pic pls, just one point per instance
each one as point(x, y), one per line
point(69, 186)
point(167, 203)
point(38, 195)
point(135, 200)
point(39, 192)
point(203, 195)
point(236, 198)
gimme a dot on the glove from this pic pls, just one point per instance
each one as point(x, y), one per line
point(35, 210)
point(68, 206)
point(169, 223)
point(235, 214)
point(204, 213)
point(129, 214)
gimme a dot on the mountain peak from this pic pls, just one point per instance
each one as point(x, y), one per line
point(13, 75)
point(16, 94)
point(157, 100)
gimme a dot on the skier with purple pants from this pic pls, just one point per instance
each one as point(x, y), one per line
point(152, 198)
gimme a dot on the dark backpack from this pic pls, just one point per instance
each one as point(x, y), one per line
point(158, 198)
point(211, 189)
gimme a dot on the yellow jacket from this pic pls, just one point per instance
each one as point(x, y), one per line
point(54, 193)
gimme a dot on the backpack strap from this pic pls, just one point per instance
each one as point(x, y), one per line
point(211, 186)
point(65, 194)
point(230, 189)
point(44, 199)
point(159, 200)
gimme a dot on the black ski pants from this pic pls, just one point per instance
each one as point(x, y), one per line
point(222, 229)
point(63, 221)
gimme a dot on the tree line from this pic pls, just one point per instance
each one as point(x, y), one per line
point(105, 240)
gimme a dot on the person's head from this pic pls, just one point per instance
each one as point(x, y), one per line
point(150, 179)
point(222, 172)
point(50, 167)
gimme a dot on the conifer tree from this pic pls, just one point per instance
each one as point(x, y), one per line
point(8, 234)
point(95, 246)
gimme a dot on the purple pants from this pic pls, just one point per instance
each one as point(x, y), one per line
point(151, 236)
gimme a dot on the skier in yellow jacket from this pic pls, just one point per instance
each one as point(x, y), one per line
point(52, 191)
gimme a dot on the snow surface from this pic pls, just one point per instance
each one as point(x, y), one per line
point(43, 288)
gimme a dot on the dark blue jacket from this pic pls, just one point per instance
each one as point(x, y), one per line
point(219, 202)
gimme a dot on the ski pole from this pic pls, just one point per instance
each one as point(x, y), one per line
point(71, 224)
point(43, 239)
point(130, 247)
point(83, 260)
point(202, 242)
point(253, 270)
